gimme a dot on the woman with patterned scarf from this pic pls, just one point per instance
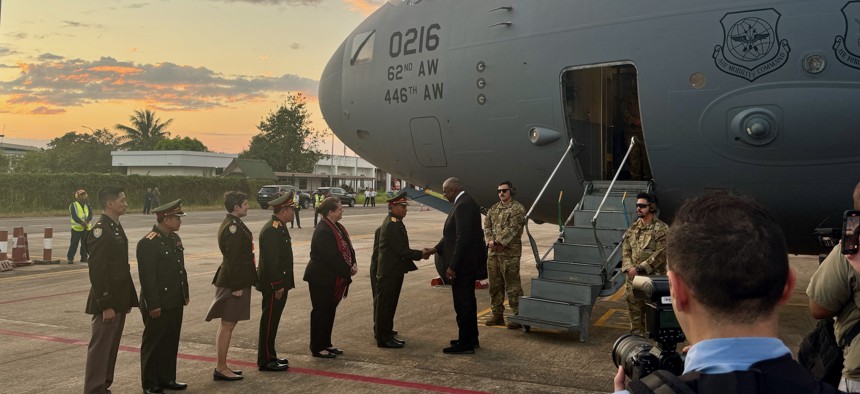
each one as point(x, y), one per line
point(328, 275)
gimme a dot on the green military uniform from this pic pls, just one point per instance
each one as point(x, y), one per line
point(394, 260)
point(163, 285)
point(374, 265)
point(831, 288)
point(237, 270)
point(644, 248)
point(504, 225)
point(111, 288)
point(275, 272)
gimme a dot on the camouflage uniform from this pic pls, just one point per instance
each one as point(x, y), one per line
point(504, 224)
point(644, 246)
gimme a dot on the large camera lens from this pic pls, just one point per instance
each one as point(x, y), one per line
point(634, 354)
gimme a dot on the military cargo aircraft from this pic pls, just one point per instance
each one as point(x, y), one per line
point(755, 97)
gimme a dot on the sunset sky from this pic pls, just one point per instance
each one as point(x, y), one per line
point(216, 67)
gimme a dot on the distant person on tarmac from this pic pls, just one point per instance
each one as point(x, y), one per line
point(82, 214)
point(147, 201)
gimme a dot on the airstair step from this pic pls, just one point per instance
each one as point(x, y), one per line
point(613, 202)
point(585, 235)
point(556, 290)
point(580, 252)
point(561, 312)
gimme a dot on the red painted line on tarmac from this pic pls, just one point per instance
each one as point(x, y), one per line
point(40, 297)
point(304, 371)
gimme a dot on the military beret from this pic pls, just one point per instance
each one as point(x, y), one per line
point(171, 208)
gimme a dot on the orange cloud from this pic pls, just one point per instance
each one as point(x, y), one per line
point(364, 6)
point(117, 69)
point(47, 111)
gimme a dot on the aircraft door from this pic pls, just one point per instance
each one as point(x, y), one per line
point(601, 106)
point(427, 142)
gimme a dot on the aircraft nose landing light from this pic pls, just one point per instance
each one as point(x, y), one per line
point(755, 126)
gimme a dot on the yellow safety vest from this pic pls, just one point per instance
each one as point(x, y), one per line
point(82, 211)
point(318, 199)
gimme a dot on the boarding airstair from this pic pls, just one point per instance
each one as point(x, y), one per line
point(586, 261)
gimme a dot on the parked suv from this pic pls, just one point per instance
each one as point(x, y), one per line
point(345, 197)
point(270, 192)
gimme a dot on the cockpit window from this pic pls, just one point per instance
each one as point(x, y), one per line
point(362, 48)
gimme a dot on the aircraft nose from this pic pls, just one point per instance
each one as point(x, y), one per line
point(331, 90)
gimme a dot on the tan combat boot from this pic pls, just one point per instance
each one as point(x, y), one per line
point(496, 320)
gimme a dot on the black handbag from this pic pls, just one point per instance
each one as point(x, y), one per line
point(821, 355)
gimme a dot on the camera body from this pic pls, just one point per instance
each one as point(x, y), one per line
point(635, 353)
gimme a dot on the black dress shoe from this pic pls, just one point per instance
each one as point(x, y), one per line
point(323, 355)
point(400, 341)
point(459, 349)
point(454, 342)
point(390, 344)
point(220, 376)
point(174, 385)
point(334, 350)
point(283, 361)
point(393, 332)
point(154, 390)
point(274, 366)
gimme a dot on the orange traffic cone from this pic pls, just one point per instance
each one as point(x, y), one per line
point(20, 250)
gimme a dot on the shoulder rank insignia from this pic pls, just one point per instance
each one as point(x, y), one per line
point(394, 219)
point(151, 235)
point(97, 232)
point(276, 224)
point(232, 229)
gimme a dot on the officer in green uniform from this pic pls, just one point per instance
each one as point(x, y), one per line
point(643, 253)
point(112, 293)
point(503, 229)
point(275, 279)
point(163, 297)
point(394, 260)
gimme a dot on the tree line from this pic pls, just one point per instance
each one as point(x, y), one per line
point(285, 141)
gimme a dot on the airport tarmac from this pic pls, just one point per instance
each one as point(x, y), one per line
point(44, 330)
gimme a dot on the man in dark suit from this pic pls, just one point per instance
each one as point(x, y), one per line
point(394, 260)
point(463, 250)
point(112, 293)
point(163, 297)
point(275, 279)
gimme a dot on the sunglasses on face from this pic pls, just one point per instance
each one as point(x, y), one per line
point(641, 205)
point(502, 191)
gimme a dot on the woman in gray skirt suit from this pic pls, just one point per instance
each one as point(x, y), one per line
point(233, 280)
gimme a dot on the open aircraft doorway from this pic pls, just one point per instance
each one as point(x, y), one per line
point(601, 104)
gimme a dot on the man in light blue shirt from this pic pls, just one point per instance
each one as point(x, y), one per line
point(728, 271)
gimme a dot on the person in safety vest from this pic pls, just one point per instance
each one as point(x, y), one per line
point(81, 213)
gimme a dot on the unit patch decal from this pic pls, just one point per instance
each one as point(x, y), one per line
point(847, 47)
point(751, 47)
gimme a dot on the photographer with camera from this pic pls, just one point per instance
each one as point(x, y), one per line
point(728, 271)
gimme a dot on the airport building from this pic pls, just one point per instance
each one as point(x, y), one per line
point(171, 162)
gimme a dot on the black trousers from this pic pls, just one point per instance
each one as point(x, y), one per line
point(296, 219)
point(466, 307)
point(385, 306)
point(269, 321)
point(159, 347)
point(322, 315)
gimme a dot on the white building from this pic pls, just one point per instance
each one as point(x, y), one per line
point(172, 162)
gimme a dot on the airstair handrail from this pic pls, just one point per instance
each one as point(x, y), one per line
point(542, 190)
point(606, 196)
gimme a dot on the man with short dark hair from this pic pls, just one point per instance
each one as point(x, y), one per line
point(728, 271)
point(503, 229)
point(112, 293)
point(163, 297)
point(643, 252)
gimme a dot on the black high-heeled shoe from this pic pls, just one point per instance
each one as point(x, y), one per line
point(321, 355)
point(220, 376)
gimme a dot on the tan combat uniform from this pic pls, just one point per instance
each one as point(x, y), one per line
point(644, 246)
point(830, 287)
point(504, 224)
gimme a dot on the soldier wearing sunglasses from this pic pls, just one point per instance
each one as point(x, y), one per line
point(503, 229)
point(643, 253)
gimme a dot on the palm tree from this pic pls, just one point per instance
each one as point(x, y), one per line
point(145, 132)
